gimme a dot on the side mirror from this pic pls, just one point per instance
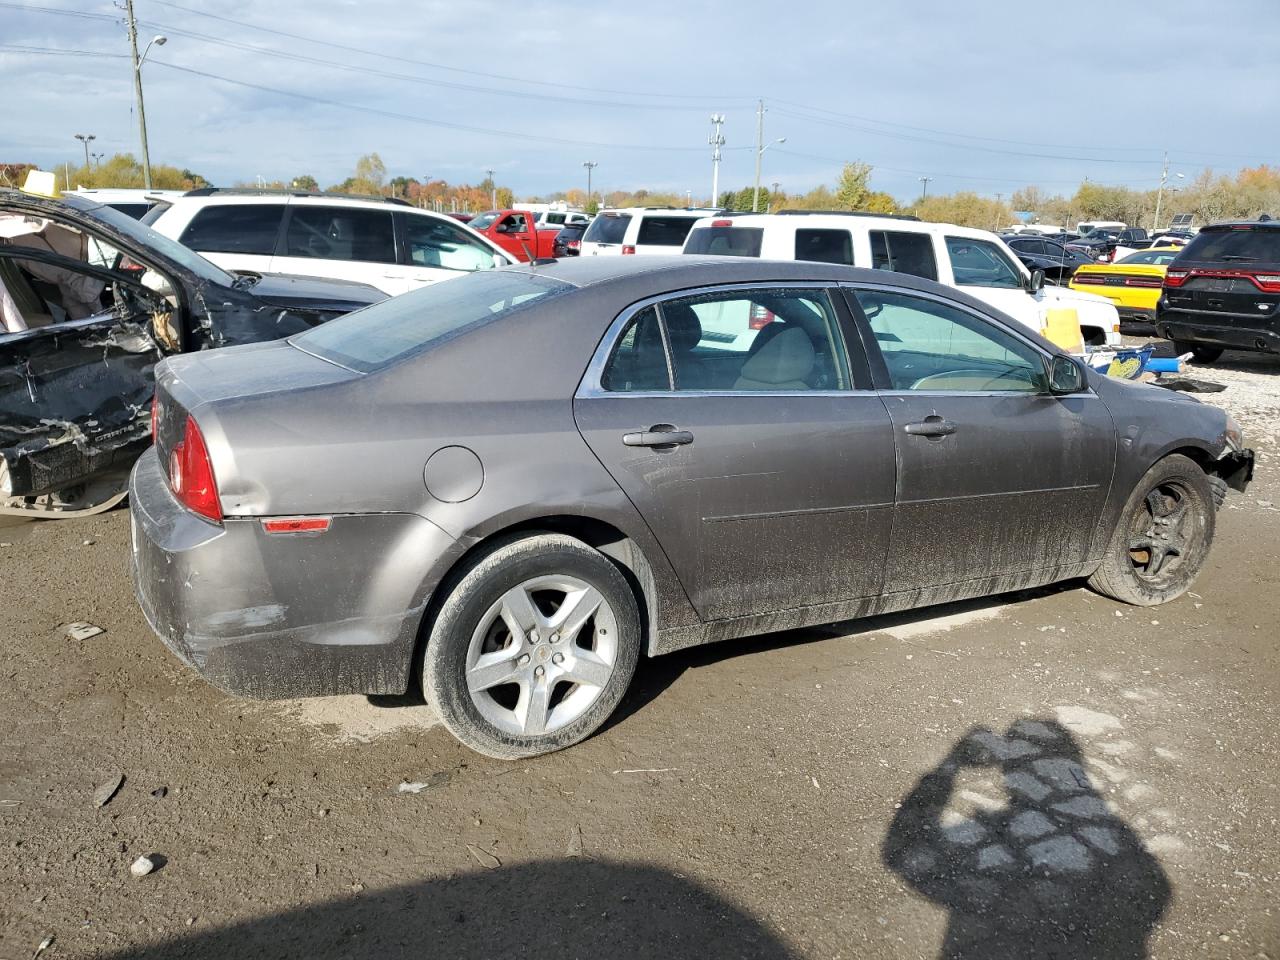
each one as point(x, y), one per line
point(1037, 282)
point(1065, 375)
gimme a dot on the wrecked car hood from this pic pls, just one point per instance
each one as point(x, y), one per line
point(314, 293)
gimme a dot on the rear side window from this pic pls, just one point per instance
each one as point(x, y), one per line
point(726, 241)
point(1246, 245)
point(825, 246)
point(341, 233)
point(904, 252)
point(639, 361)
point(378, 335)
point(664, 231)
point(607, 228)
point(234, 228)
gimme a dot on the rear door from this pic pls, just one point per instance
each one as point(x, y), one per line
point(997, 477)
point(236, 236)
point(758, 457)
point(341, 242)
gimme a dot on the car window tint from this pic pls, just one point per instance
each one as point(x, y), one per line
point(234, 228)
point(927, 345)
point(664, 231)
point(904, 252)
point(607, 228)
point(726, 241)
point(756, 340)
point(437, 243)
point(1245, 244)
point(639, 360)
point(341, 233)
point(979, 263)
point(393, 329)
point(825, 246)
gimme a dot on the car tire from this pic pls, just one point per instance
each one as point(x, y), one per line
point(1201, 354)
point(1171, 509)
point(510, 697)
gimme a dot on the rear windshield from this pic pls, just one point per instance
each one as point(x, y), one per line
point(665, 231)
point(726, 241)
point(388, 331)
point(607, 228)
point(1244, 244)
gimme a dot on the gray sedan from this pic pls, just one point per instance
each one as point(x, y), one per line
point(515, 484)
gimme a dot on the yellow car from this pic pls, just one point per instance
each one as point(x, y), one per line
point(1132, 283)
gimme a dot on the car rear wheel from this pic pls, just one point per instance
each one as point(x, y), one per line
point(1200, 353)
point(533, 648)
point(1163, 536)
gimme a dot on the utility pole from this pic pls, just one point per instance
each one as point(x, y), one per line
point(761, 147)
point(774, 192)
point(493, 190)
point(84, 139)
point(999, 203)
point(137, 91)
point(590, 165)
point(716, 140)
point(924, 187)
point(1164, 180)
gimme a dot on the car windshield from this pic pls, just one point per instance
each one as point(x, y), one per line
point(144, 236)
point(377, 336)
point(1243, 243)
point(482, 221)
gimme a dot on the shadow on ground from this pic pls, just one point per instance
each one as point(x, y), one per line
point(570, 908)
point(1048, 871)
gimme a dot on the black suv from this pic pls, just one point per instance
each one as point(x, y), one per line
point(1223, 291)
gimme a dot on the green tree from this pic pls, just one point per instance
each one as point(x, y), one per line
point(370, 176)
point(852, 190)
point(305, 182)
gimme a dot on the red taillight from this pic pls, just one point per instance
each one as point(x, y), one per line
point(1081, 277)
point(1175, 278)
point(191, 474)
point(628, 249)
point(574, 244)
point(760, 318)
point(155, 417)
point(1269, 282)
point(722, 223)
point(1143, 282)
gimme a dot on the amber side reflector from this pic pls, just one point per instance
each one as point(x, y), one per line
point(297, 525)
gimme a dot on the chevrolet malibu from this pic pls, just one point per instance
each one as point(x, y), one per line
point(514, 485)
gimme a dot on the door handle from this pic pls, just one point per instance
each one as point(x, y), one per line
point(935, 428)
point(659, 435)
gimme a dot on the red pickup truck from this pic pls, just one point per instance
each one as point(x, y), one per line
point(516, 232)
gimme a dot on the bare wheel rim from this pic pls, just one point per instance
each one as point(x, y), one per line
point(1165, 533)
point(541, 655)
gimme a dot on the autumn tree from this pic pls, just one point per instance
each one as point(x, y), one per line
point(305, 182)
point(852, 190)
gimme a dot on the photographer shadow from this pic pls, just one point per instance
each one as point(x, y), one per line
point(1048, 872)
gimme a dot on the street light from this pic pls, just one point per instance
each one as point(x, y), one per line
point(84, 139)
point(97, 159)
point(755, 196)
point(1164, 179)
point(159, 41)
point(590, 165)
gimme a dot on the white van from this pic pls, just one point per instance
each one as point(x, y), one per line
point(385, 243)
point(1086, 227)
point(975, 261)
point(640, 230)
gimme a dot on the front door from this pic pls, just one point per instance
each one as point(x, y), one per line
point(731, 421)
point(996, 475)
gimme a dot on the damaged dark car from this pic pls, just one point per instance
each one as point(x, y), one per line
point(90, 301)
point(515, 484)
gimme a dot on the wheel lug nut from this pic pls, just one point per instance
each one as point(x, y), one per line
point(555, 638)
point(558, 658)
point(538, 671)
point(523, 660)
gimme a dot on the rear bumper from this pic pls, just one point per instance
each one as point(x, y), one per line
point(1227, 331)
point(1137, 321)
point(269, 616)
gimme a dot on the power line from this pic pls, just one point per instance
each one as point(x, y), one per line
point(51, 51)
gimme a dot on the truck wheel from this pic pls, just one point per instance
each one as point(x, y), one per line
point(1163, 536)
point(533, 648)
point(1201, 354)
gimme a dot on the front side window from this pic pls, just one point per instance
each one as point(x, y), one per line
point(928, 345)
point(904, 252)
point(825, 246)
point(436, 243)
point(341, 233)
point(770, 339)
point(248, 228)
point(980, 263)
point(664, 231)
point(514, 223)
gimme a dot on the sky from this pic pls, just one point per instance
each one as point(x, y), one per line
point(984, 96)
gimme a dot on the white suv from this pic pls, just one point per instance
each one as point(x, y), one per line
point(975, 261)
point(639, 230)
point(387, 244)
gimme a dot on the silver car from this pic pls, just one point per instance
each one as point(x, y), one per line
point(515, 484)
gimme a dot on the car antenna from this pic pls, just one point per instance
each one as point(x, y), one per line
point(533, 263)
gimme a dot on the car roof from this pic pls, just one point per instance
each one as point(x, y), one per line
point(678, 271)
point(848, 220)
point(696, 212)
point(1238, 224)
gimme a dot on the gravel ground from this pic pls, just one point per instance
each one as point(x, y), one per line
point(855, 791)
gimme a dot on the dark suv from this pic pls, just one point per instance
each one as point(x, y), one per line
point(1223, 291)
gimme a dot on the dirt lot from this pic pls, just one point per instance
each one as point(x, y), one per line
point(848, 792)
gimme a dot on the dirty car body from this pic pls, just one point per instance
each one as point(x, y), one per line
point(91, 301)
point(773, 458)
